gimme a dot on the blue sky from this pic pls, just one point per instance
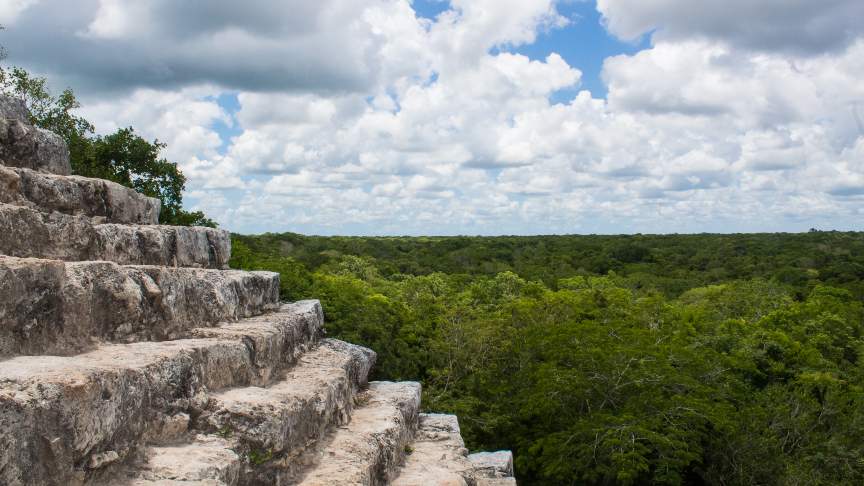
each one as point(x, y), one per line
point(499, 117)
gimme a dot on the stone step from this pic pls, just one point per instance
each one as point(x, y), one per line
point(492, 464)
point(207, 460)
point(23, 145)
point(63, 308)
point(28, 233)
point(439, 456)
point(369, 449)
point(65, 419)
point(291, 416)
point(102, 200)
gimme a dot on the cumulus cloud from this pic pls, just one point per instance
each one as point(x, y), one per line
point(789, 26)
point(359, 116)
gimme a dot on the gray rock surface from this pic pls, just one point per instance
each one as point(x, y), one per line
point(292, 414)
point(369, 449)
point(52, 307)
point(28, 233)
point(496, 482)
point(74, 195)
point(14, 108)
point(29, 147)
point(8, 185)
point(208, 458)
point(493, 464)
point(439, 457)
point(57, 413)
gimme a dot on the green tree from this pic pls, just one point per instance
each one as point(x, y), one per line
point(123, 157)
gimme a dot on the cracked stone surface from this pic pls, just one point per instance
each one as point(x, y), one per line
point(369, 450)
point(56, 413)
point(493, 464)
point(23, 145)
point(14, 108)
point(62, 308)
point(102, 200)
point(291, 415)
point(27, 233)
point(439, 457)
point(207, 458)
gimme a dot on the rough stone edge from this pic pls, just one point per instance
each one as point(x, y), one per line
point(28, 233)
point(14, 109)
point(103, 200)
point(65, 308)
point(45, 430)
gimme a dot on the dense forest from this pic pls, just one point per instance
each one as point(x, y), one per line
point(717, 359)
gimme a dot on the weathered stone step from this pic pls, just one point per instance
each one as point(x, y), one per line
point(74, 195)
point(487, 482)
point(23, 145)
point(492, 464)
point(290, 416)
point(368, 450)
point(208, 460)
point(439, 456)
point(63, 420)
point(28, 233)
point(63, 308)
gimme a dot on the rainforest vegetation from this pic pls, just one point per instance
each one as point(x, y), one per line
point(716, 359)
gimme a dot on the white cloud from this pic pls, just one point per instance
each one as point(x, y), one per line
point(12, 9)
point(798, 26)
point(357, 116)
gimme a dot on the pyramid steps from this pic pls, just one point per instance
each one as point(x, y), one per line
point(62, 308)
point(281, 421)
point(130, 355)
point(116, 397)
point(294, 411)
point(28, 233)
point(494, 465)
point(439, 456)
point(207, 459)
point(105, 201)
point(369, 450)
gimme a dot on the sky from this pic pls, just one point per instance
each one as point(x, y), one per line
point(477, 117)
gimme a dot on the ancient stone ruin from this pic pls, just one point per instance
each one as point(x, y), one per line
point(130, 354)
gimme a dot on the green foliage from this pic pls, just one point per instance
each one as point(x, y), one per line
point(691, 363)
point(122, 157)
point(225, 432)
point(128, 159)
point(257, 457)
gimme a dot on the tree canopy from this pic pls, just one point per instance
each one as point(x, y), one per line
point(122, 157)
point(600, 360)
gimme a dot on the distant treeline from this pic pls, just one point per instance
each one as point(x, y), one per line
point(632, 359)
point(671, 264)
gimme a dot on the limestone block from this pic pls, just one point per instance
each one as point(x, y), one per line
point(280, 337)
point(14, 108)
point(74, 195)
point(26, 146)
point(439, 455)
point(52, 307)
point(27, 233)
point(56, 413)
point(207, 458)
point(369, 449)
point(495, 482)
point(493, 464)
point(289, 415)
point(8, 185)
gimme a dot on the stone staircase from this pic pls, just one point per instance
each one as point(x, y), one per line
point(131, 355)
